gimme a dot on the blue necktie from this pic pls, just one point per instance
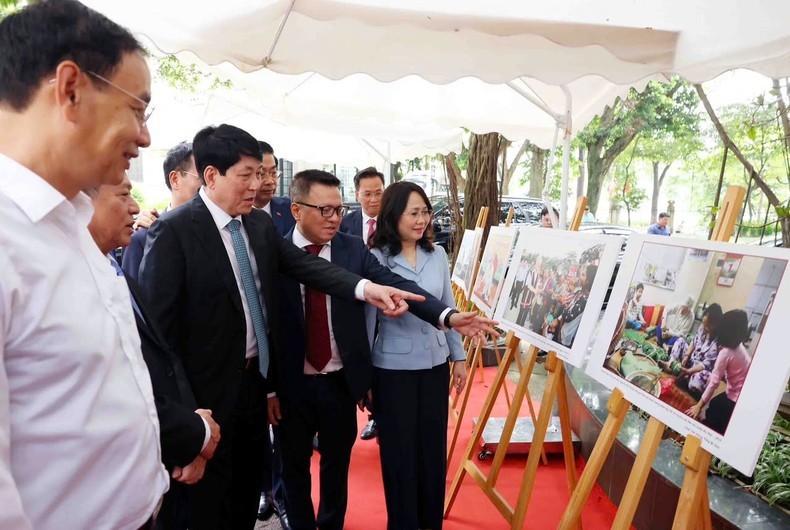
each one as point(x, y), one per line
point(119, 272)
point(251, 293)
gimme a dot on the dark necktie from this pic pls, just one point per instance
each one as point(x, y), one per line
point(371, 227)
point(316, 322)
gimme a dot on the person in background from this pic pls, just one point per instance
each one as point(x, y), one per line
point(368, 189)
point(411, 369)
point(732, 365)
point(79, 434)
point(278, 208)
point(588, 216)
point(545, 217)
point(182, 180)
point(575, 303)
point(635, 319)
point(660, 228)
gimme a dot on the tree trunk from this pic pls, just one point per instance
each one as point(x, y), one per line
point(454, 180)
point(785, 119)
point(766, 189)
point(537, 170)
point(511, 170)
point(599, 160)
point(658, 181)
point(481, 182)
point(582, 173)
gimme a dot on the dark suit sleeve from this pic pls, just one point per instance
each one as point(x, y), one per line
point(316, 272)
point(133, 254)
point(182, 431)
point(430, 310)
point(162, 277)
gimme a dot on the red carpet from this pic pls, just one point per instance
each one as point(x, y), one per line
point(472, 509)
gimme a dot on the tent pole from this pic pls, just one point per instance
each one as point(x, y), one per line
point(566, 157)
point(268, 58)
point(547, 186)
point(534, 100)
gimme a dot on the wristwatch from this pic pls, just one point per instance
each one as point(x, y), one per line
point(450, 313)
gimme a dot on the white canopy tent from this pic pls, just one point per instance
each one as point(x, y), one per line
point(568, 58)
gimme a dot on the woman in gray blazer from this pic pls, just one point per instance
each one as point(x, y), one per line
point(411, 369)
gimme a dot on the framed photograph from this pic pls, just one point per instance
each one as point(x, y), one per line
point(555, 288)
point(708, 359)
point(467, 259)
point(728, 270)
point(493, 264)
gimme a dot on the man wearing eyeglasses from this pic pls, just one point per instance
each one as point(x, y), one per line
point(79, 434)
point(182, 180)
point(324, 368)
point(278, 208)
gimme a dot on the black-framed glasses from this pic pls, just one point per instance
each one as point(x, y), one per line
point(327, 211)
point(143, 114)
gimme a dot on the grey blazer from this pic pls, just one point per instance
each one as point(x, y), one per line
point(408, 343)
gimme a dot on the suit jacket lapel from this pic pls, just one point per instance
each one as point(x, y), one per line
point(206, 232)
point(422, 260)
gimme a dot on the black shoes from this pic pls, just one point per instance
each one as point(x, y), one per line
point(266, 507)
point(370, 431)
point(280, 510)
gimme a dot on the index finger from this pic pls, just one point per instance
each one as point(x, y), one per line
point(406, 295)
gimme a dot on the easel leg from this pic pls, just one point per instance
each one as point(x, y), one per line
point(499, 363)
point(553, 366)
point(690, 511)
point(639, 473)
point(567, 433)
point(460, 418)
point(477, 434)
point(617, 407)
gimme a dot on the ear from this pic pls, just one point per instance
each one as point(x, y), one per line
point(174, 179)
point(210, 176)
point(70, 88)
point(296, 210)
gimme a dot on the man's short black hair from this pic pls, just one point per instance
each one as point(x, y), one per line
point(545, 210)
point(304, 180)
point(35, 40)
point(662, 215)
point(368, 172)
point(222, 147)
point(177, 159)
point(267, 149)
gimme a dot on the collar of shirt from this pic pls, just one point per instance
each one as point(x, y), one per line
point(35, 196)
point(300, 241)
point(220, 216)
point(366, 218)
point(267, 208)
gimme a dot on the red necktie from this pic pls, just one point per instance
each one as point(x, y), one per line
point(371, 227)
point(316, 322)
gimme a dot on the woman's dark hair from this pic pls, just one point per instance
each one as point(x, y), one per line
point(639, 286)
point(393, 204)
point(733, 329)
point(714, 314)
point(592, 270)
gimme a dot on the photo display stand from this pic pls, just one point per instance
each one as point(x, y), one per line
point(474, 356)
point(555, 389)
point(693, 510)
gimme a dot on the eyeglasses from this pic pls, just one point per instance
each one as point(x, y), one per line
point(327, 211)
point(371, 195)
point(185, 172)
point(274, 173)
point(416, 214)
point(143, 114)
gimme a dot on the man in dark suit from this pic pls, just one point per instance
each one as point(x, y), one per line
point(368, 188)
point(209, 271)
point(188, 435)
point(183, 182)
point(325, 369)
point(278, 208)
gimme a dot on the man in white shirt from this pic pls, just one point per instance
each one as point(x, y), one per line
point(79, 434)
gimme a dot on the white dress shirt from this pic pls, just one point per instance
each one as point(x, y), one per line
point(79, 434)
point(335, 362)
point(221, 219)
point(267, 208)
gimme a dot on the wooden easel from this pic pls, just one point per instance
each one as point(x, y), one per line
point(555, 389)
point(474, 355)
point(693, 510)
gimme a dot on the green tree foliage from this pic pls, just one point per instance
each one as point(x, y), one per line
point(609, 134)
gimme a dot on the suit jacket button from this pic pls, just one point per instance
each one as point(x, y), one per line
point(427, 346)
point(425, 330)
point(169, 372)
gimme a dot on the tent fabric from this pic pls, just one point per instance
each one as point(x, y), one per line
point(496, 41)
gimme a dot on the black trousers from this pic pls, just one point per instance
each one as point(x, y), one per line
point(325, 407)
point(411, 412)
point(227, 496)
